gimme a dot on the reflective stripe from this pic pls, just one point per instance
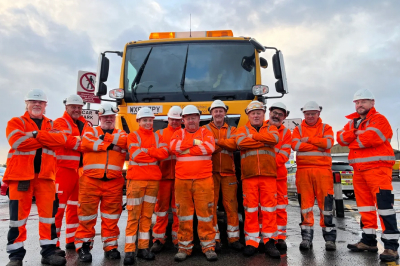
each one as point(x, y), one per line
point(134, 201)
point(281, 152)
point(70, 235)
point(160, 214)
point(386, 212)
point(306, 227)
point(48, 242)
point(205, 219)
point(328, 136)
point(47, 220)
point(87, 218)
point(307, 210)
point(283, 206)
point(228, 133)
point(72, 225)
point(110, 216)
point(68, 124)
point(68, 157)
point(328, 144)
point(233, 234)
point(109, 237)
point(86, 239)
point(232, 228)
point(18, 223)
point(372, 159)
point(255, 234)
point(341, 138)
point(144, 235)
point(185, 243)
point(150, 199)
point(268, 209)
point(178, 145)
point(390, 236)
point(114, 167)
point(49, 152)
point(58, 230)
point(254, 209)
point(227, 152)
point(281, 233)
point(217, 236)
point(133, 145)
point(158, 235)
point(209, 145)
point(314, 153)
point(286, 146)
point(130, 239)
point(193, 158)
point(23, 121)
point(203, 149)
point(207, 244)
point(13, 132)
point(62, 206)
point(110, 243)
point(369, 231)
point(173, 209)
point(328, 229)
point(240, 140)
point(163, 145)
point(377, 131)
point(185, 218)
point(71, 202)
point(276, 136)
point(9, 155)
point(253, 153)
point(208, 127)
point(19, 141)
point(78, 142)
point(295, 139)
point(367, 209)
point(359, 143)
point(142, 164)
point(157, 140)
point(25, 153)
point(296, 148)
point(138, 138)
point(115, 139)
point(256, 239)
point(247, 130)
point(281, 227)
point(94, 166)
point(15, 246)
point(299, 127)
point(135, 153)
point(327, 213)
point(269, 235)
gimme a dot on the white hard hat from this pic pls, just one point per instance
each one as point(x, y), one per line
point(36, 95)
point(175, 112)
point(74, 99)
point(363, 94)
point(108, 109)
point(311, 106)
point(190, 109)
point(280, 105)
point(144, 112)
point(254, 105)
point(218, 103)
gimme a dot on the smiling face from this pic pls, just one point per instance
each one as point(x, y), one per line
point(276, 117)
point(146, 123)
point(311, 117)
point(74, 111)
point(107, 122)
point(218, 115)
point(192, 122)
point(256, 117)
point(363, 106)
point(36, 109)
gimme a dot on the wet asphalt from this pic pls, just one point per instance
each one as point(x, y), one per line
point(348, 230)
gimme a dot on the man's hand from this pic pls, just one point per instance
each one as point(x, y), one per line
point(197, 142)
point(29, 134)
point(116, 148)
point(359, 132)
point(185, 152)
point(78, 137)
point(305, 139)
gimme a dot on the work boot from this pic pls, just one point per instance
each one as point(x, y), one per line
point(146, 254)
point(271, 250)
point(218, 246)
point(249, 251)
point(157, 246)
point(360, 246)
point(14, 263)
point(84, 253)
point(112, 254)
point(330, 246)
point(281, 246)
point(70, 246)
point(211, 255)
point(129, 258)
point(389, 255)
point(54, 259)
point(180, 256)
point(305, 244)
point(236, 245)
point(59, 252)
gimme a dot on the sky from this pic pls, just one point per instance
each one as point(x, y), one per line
point(331, 48)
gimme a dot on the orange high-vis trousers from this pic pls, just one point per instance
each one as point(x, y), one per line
point(92, 193)
point(20, 206)
point(165, 199)
point(191, 195)
point(141, 197)
point(67, 186)
point(228, 185)
point(316, 183)
point(259, 191)
point(282, 202)
point(373, 190)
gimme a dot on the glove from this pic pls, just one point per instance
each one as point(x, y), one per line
point(187, 151)
point(101, 137)
point(197, 142)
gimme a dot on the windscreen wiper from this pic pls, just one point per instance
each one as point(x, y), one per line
point(139, 75)
point(183, 77)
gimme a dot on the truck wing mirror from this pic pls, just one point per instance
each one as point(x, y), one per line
point(103, 66)
point(280, 73)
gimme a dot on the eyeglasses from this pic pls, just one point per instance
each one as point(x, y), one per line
point(278, 114)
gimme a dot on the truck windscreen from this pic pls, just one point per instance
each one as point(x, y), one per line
point(198, 71)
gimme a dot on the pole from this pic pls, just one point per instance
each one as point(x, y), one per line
point(397, 130)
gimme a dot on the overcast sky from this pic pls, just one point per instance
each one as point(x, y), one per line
point(331, 48)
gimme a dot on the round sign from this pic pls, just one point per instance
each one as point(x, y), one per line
point(88, 81)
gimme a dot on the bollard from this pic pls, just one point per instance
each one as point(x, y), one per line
point(337, 187)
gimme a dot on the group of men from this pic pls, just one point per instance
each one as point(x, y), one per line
point(71, 165)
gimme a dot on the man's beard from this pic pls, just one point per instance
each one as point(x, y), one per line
point(365, 112)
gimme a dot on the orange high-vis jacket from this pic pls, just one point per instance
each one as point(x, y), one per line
point(225, 144)
point(197, 163)
point(316, 152)
point(97, 160)
point(372, 148)
point(257, 153)
point(283, 150)
point(146, 148)
point(69, 156)
point(167, 166)
point(20, 160)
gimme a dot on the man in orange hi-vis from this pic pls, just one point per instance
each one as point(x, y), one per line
point(313, 140)
point(31, 167)
point(166, 192)
point(146, 149)
point(101, 183)
point(256, 141)
point(69, 160)
point(368, 135)
point(224, 173)
point(194, 185)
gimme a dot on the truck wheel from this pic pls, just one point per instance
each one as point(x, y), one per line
point(350, 194)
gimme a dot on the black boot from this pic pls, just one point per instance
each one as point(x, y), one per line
point(14, 263)
point(70, 246)
point(54, 259)
point(281, 246)
point(271, 250)
point(112, 254)
point(249, 251)
point(129, 258)
point(60, 252)
point(84, 253)
point(146, 254)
